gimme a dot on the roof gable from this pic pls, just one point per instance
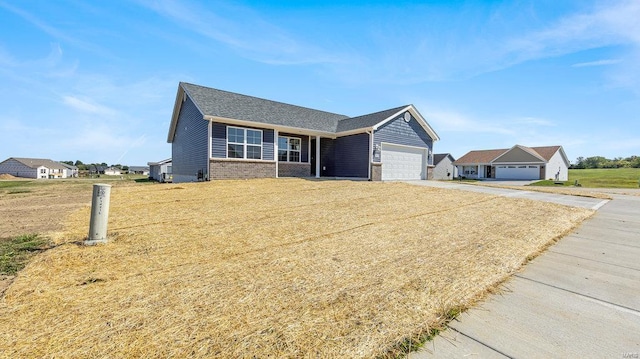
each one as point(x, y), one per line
point(438, 157)
point(519, 154)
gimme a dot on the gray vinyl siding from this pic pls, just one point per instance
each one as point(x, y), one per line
point(219, 141)
point(267, 145)
point(400, 132)
point(189, 147)
point(352, 156)
point(327, 157)
point(18, 169)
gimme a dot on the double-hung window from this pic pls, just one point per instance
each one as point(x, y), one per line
point(289, 149)
point(244, 143)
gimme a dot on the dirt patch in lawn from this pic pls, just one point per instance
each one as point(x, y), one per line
point(271, 268)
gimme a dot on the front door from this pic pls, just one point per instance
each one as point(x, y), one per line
point(488, 171)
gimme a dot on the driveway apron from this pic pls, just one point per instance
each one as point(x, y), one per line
point(581, 298)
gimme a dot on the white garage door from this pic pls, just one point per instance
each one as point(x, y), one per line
point(403, 162)
point(518, 172)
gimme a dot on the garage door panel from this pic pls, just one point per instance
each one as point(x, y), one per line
point(518, 172)
point(402, 163)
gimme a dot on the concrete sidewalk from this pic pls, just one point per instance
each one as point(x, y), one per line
point(576, 201)
point(580, 299)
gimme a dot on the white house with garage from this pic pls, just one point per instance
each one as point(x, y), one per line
point(39, 168)
point(517, 163)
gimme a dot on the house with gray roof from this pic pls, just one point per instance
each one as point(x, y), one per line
point(39, 168)
point(443, 167)
point(216, 134)
point(139, 170)
point(161, 171)
point(71, 170)
point(515, 163)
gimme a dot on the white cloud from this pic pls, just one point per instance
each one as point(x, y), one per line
point(452, 121)
point(597, 63)
point(252, 36)
point(52, 31)
point(534, 121)
point(88, 106)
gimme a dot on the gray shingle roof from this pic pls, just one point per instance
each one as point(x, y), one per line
point(366, 121)
point(437, 157)
point(37, 162)
point(218, 103)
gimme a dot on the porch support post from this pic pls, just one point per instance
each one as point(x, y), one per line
point(317, 156)
point(275, 149)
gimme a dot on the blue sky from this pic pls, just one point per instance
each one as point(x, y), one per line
point(96, 80)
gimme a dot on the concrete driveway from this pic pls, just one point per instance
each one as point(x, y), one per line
point(579, 299)
point(576, 201)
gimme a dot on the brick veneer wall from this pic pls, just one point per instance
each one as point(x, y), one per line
point(230, 169)
point(288, 169)
point(376, 171)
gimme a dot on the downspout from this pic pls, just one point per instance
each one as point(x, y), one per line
point(275, 149)
point(209, 149)
point(370, 153)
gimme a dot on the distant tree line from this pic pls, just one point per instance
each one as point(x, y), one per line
point(85, 166)
point(602, 162)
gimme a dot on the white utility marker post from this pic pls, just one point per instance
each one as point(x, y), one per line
point(99, 214)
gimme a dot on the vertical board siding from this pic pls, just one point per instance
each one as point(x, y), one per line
point(219, 141)
point(304, 155)
point(327, 157)
point(352, 156)
point(189, 147)
point(400, 132)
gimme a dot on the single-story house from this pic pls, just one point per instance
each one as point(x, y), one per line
point(444, 168)
point(139, 170)
point(518, 162)
point(39, 168)
point(71, 170)
point(96, 169)
point(161, 171)
point(216, 134)
point(112, 171)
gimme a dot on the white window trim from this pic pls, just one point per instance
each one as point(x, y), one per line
point(289, 150)
point(245, 144)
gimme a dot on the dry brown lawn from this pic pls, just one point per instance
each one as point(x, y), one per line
point(270, 268)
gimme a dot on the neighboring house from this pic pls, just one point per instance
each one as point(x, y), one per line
point(71, 170)
point(218, 134)
point(517, 162)
point(96, 170)
point(139, 170)
point(112, 171)
point(33, 168)
point(161, 171)
point(444, 168)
